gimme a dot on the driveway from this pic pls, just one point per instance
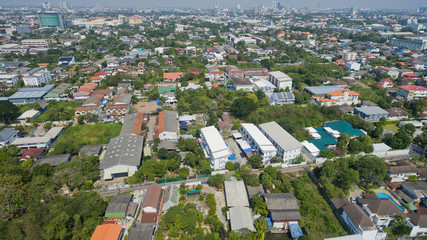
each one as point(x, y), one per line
point(235, 150)
point(151, 124)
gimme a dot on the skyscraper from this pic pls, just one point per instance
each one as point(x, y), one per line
point(216, 4)
point(46, 6)
point(98, 6)
point(63, 5)
point(275, 5)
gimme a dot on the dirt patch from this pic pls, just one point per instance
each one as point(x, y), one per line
point(145, 107)
point(220, 202)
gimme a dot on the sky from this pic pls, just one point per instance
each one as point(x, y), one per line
point(379, 4)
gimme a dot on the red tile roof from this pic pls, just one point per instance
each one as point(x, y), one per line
point(411, 88)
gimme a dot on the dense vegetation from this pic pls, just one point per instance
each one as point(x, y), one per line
point(30, 204)
point(58, 111)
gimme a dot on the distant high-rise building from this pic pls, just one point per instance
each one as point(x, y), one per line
point(238, 6)
point(275, 5)
point(98, 6)
point(256, 10)
point(46, 6)
point(63, 5)
point(423, 9)
point(51, 19)
point(216, 4)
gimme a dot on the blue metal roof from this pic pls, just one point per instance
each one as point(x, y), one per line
point(295, 230)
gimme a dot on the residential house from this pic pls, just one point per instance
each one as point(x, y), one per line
point(28, 116)
point(356, 219)
point(118, 206)
point(392, 72)
point(340, 97)
point(108, 232)
point(283, 209)
point(400, 171)
point(172, 76)
point(386, 83)
point(7, 136)
point(417, 191)
point(34, 153)
point(167, 125)
point(371, 113)
point(91, 106)
point(281, 98)
point(54, 160)
point(418, 224)
point(412, 92)
point(242, 83)
point(151, 202)
point(396, 113)
point(379, 210)
point(65, 61)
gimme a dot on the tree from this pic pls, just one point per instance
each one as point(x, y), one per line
point(355, 146)
point(8, 112)
point(242, 107)
point(327, 154)
point(255, 161)
point(229, 166)
point(163, 153)
point(216, 181)
point(399, 226)
point(11, 195)
point(173, 164)
point(183, 172)
point(258, 205)
point(372, 169)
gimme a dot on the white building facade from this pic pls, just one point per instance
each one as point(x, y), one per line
point(258, 141)
point(214, 147)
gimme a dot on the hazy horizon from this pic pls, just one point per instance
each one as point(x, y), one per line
point(377, 4)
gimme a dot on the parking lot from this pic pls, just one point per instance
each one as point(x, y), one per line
point(236, 151)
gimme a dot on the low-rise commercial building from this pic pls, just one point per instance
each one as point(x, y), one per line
point(258, 141)
point(288, 148)
point(39, 142)
point(7, 136)
point(123, 156)
point(280, 80)
point(9, 79)
point(214, 147)
point(371, 113)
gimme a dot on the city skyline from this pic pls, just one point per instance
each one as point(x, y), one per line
point(380, 4)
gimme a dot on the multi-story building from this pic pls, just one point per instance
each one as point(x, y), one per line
point(9, 79)
point(36, 42)
point(349, 56)
point(280, 80)
point(288, 148)
point(418, 44)
point(214, 147)
point(51, 19)
point(36, 77)
point(258, 141)
point(410, 92)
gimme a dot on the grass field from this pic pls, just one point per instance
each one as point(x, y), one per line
point(58, 111)
point(77, 136)
point(391, 127)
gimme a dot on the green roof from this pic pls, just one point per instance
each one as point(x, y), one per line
point(162, 90)
point(52, 95)
point(326, 139)
point(344, 127)
point(115, 214)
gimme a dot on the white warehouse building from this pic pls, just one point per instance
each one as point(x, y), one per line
point(258, 141)
point(214, 147)
point(288, 147)
point(123, 156)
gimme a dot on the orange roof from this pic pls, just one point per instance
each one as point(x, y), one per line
point(328, 100)
point(340, 92)
point(172, 75)
point(371, 55)
point(43, 64)
point(138, 123)
point(386, 80)
point(107, 232)
point(95, 78)
point(101, 73)
point(215, 85)
point(161, 122)
point(90, 85)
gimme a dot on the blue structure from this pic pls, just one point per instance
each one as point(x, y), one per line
point(29, 95)
point(296, 231)
point(371, 113)
point(184, 125)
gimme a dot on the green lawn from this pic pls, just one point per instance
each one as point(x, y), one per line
point(77, 136)
point(391, 127)
point(58, 111)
